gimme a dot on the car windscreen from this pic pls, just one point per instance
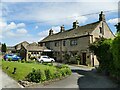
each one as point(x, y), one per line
point(45, 57)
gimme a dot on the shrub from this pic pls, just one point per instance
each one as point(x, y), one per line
point(36, 76)
point(9, 59)
point(19, 60)
point(49, 74)
point(23, 61)
point(101, 49)
point(30, 61)
point(116, 56)
point(66, 57)
point(59, 66)
point(50, 64)
point(68, 71)
point(65, 71)
point(57, 74)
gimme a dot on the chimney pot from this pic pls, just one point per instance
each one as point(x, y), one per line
point(101, 16)
point(50, 32)
point(62, 28)
point(75, 24)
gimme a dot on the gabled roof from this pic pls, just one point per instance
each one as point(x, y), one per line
point(72, 33)
point(22, 43)
point(35, 47)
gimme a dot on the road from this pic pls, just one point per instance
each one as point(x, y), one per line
point(82, 77)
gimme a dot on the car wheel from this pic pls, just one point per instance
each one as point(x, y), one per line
point(52, 61)
point(41, 61)
point(6, 59)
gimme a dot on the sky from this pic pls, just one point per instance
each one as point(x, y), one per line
point(31, 21)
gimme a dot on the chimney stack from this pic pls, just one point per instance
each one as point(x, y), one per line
point(62, 28)
point(50, 32)
point(101, 16)
point(75, 24)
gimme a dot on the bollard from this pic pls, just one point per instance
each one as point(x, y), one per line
point(14, 71)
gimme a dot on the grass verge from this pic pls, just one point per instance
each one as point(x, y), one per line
point(22, 69)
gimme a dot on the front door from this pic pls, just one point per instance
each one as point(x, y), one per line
point(84, 58)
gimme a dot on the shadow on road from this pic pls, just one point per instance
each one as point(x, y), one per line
point(90, 79)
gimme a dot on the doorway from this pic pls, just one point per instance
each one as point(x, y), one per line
point(84, 58)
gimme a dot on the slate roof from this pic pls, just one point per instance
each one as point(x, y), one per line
point(35, 47)
point(21, 43)
point(72, 33)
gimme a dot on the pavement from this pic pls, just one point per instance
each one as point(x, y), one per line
point(8, 82)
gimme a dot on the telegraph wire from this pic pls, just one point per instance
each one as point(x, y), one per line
point(72, 17)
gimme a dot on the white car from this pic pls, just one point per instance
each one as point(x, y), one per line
point(45, 59)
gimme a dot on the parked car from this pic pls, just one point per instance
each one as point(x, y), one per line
point(13, 57)
point(45, 59)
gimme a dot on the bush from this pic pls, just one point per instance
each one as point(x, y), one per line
point(9, 59)
point(65, 71)
point(30, 61)
point(49, 74)
point(36, 76)
point(101, 49)
point(57, 74)
point(59, 66)
point(116, 56)
point(23, 61)
point(68, 71)
point(19, 60)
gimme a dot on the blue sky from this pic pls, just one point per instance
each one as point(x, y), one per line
point(31, 21)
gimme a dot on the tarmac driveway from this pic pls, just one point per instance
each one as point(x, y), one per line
point(88, 78)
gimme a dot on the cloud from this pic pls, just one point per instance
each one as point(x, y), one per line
point(56, 29)
point(12, 29)
point(21, 31)
point(10, 26)
point(43, 15)
point(45, 33)
point(13, 25)
point(59, 1)
point(113, 21)
point(55, 13)
point(21, 25)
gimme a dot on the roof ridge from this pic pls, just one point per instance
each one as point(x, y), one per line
point(81, 30)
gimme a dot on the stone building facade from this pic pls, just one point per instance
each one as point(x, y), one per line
point(76, 41)
point(30, 51)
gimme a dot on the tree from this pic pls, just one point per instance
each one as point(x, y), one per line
point(102, 49)
point(116, 55)
point(118, 27)
point(3, 48)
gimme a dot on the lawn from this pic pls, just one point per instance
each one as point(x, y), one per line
point(22, 69)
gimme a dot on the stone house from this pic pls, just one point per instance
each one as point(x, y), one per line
point(30, 51)
point(19, 45)
point(77, 40)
